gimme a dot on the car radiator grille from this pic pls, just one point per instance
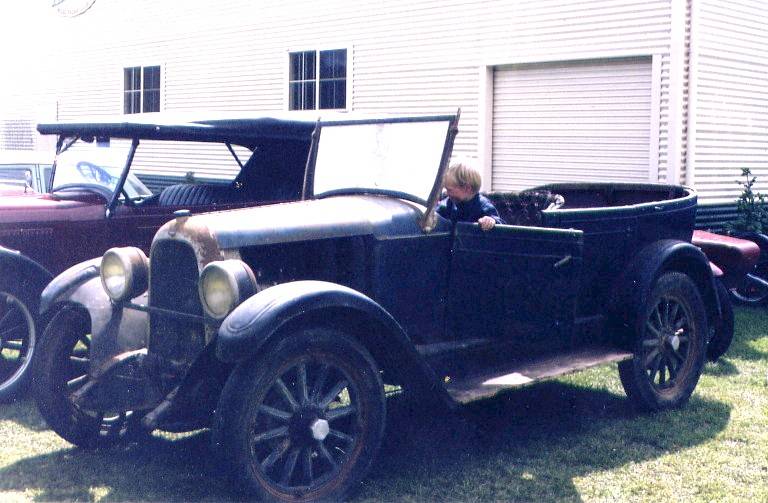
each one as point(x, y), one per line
point(173, 287)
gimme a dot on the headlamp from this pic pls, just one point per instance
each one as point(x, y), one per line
point(124, 273)
point(224, 285)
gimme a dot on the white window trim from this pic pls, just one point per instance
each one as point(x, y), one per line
point(485, 105)
point(317, 49)
point(122, 86)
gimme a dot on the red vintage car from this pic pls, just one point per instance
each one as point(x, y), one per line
point(94, 201)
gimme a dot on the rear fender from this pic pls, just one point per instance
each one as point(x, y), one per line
point(633, 288)
point(280, 310)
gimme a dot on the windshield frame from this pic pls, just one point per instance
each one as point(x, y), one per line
point(63, 144)
point(427, 219)
point(112, 204)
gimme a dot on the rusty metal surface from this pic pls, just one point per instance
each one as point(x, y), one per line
point(490, 382)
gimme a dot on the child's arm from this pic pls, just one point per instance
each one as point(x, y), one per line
point(490, 215)
point(486, 223)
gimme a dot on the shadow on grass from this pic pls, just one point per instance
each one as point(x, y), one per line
point(750, 325)
point(721, 368)
point(157, 470)
point(529, 445)
point(23, 412)
point(526, 445)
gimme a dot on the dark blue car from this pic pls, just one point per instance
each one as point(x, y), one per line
point(280, 327)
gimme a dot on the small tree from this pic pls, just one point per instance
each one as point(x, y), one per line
point(751, 207)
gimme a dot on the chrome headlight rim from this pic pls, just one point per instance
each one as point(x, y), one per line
point(237, 279)
point(132, 264)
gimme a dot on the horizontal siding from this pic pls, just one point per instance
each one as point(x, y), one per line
point(731, 122)
point(406, 57)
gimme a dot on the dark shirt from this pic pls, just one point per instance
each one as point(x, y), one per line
point(468, 211)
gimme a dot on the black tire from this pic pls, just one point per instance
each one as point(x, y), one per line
point(61, 367)
point(752, 292)
point(671, 337)
point(18, 336)
point(303, 421)
point(722, 332)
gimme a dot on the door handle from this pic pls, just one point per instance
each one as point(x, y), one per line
point(563, 261)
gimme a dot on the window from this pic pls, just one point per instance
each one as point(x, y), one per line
point(141, 89)
point(318, 80)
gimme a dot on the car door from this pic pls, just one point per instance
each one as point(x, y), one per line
point(515, 284)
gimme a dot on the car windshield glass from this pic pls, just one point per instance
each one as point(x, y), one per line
point(85, 163)
point(401, 157)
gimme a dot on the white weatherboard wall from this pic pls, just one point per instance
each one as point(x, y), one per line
point(729, 131)
point(406, 56)
point(575, 121)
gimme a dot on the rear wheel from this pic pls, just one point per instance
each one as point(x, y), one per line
point(17, 341)
point(754, 288)
point(670, 347)
point(304, 421)
point(61, 368)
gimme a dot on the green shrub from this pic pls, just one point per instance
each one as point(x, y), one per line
point(751, 207)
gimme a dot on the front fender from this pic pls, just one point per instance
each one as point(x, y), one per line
point(246, 331)
point(113, 329)
point(70, 283)
point(633, 288)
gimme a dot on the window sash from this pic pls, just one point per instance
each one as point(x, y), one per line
point(317, 80)
point(141, 92)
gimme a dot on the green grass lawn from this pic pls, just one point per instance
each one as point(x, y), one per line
point(573, 439)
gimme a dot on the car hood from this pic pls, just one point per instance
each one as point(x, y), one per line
point(36, 207)
point(333, 217)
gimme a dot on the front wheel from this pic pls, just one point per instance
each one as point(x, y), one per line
point(61, 368)
point(304, 421)
point(671, 337)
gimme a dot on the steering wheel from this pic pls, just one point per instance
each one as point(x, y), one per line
point(93, 172)
point(88, 187)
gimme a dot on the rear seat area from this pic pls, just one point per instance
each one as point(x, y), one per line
point(524, 208)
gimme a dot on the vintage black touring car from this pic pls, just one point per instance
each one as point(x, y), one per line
point(278, 327)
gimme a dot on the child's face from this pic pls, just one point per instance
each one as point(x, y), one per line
point(458, 193)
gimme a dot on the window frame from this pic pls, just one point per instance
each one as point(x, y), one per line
point(142, 90)
point(317, 50)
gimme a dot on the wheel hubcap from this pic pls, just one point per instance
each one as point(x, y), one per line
point(674, 341)
point(320, 429)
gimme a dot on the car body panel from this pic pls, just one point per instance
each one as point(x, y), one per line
point(518, 284)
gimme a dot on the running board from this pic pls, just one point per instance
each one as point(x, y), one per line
point(521, 373)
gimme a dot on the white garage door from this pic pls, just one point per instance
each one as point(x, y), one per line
point(575, 121)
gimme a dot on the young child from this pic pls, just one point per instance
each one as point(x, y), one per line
point(464, 202)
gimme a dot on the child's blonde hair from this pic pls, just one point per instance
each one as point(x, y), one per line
point(464, 175)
